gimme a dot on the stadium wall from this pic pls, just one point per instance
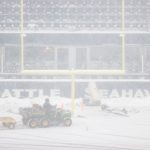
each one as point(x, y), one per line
point(106, 89)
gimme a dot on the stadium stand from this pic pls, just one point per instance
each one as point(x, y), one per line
point(75, 15)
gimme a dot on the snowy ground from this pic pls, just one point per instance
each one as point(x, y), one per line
point(93, 130)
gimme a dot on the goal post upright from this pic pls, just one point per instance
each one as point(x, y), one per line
point(123, 33)
point(22, 34)
point(73, 92)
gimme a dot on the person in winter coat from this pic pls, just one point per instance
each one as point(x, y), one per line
point(47, 106)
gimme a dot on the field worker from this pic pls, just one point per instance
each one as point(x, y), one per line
point(47, 106)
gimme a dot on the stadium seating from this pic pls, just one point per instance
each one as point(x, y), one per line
point(75, 15)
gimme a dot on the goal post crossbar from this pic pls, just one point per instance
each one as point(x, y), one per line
point(75, 72)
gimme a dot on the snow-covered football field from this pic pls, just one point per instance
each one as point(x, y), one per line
point(92, 129)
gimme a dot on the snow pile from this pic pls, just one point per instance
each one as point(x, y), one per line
point(132, 105)
point(13, 104)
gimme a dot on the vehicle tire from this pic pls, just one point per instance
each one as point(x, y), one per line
point(24, 121)
point(4, 124)
point(67, 122)
point(33, 123)
point(11, 125)
point(45, 123)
